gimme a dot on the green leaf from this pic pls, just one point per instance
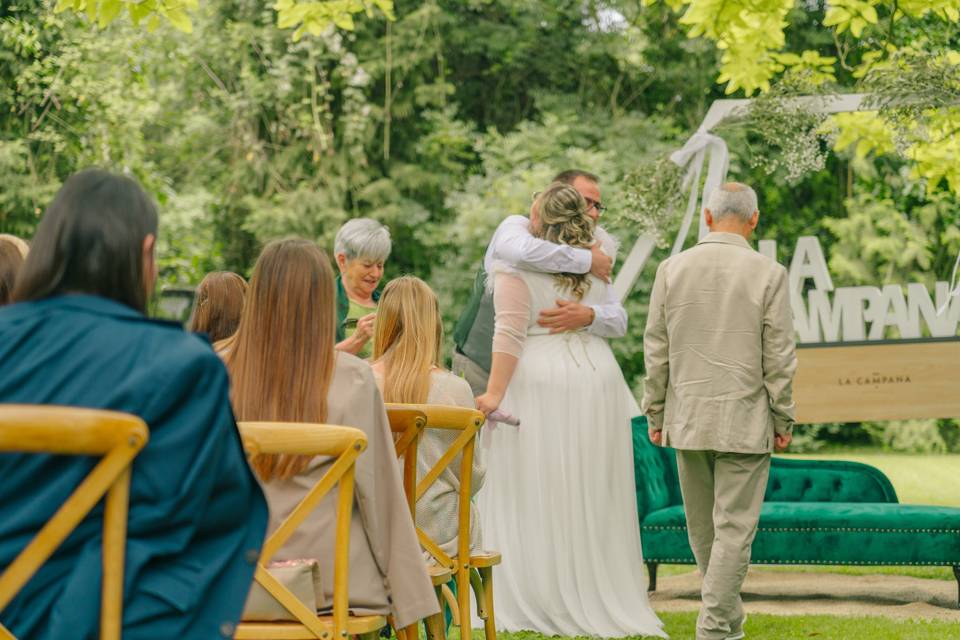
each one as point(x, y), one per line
point(109, 10)
point(180, 20)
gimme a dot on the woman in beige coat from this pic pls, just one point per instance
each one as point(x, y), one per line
point(284, 367)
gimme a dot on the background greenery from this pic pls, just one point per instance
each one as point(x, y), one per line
point(439, 117)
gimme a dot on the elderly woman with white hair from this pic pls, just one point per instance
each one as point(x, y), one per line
point(361, 247)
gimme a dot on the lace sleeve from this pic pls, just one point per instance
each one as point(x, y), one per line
point(511, 301)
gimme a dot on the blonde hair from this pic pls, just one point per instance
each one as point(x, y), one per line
point(564, 220)
point(281, 359)
point(408, 338)
point(217, 305)
point(22, 245)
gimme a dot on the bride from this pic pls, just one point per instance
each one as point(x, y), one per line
point(559, 500)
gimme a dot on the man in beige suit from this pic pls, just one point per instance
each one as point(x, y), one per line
point(720, 359)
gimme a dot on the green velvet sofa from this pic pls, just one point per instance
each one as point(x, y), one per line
point(814, 512)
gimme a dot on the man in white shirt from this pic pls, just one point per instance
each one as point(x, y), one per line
point(513, 244)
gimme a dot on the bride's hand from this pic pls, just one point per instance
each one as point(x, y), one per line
point(488, 403)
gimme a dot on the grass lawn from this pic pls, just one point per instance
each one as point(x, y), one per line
point(681, 626)
point(917, 478)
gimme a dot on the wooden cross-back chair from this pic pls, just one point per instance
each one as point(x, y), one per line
point(118, 438)
point(407, 425)
point(476, 570)
point(344, 444)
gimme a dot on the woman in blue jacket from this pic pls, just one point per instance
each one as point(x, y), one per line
point(77, 336)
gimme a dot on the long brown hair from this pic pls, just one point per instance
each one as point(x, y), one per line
point(217, 305)
point(408, 337)
point(564, 220)
point(281, 358)
point(10, 262)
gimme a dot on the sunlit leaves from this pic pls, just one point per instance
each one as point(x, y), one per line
point(104, 12)
point(863, 132)
point(747, 32)
point(936, 155)
point(315, 18)
point(854, 15)
point(815, 68)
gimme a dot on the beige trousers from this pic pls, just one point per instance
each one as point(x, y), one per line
point(722, 496)
point(474, 374)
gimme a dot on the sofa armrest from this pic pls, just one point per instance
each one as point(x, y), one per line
point(827, 481)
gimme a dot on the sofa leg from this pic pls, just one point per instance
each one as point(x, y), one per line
point(956, 574)
point(652, 571)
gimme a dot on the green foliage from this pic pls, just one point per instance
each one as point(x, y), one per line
point(904, 53)
point(317, 18)
point(439, 117)
point(103, 12)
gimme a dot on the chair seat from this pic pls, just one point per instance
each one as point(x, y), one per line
point(439, 575)
point(826, 533)
point(485, 559)
point(296, 631)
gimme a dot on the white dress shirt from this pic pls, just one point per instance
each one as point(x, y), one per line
point(513, 244)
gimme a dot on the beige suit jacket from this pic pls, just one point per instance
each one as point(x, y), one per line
point(387, 571)
point(719, 349)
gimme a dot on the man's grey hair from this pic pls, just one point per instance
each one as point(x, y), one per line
point(363, 238)
point(732, 198)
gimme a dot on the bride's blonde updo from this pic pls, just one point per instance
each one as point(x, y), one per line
point(564, 220)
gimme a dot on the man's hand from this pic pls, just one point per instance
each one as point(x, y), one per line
point(601, 265)
point(780, 443)
point(656, 435)
point(566, 316)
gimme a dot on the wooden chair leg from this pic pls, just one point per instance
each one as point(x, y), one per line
point(463, 600)
point(400, 633)
point(436, 625)
point(477, 585)
point(486, 583)
point(452, 603)
point(652, 572)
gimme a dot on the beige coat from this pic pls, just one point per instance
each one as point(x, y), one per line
point(719, 349)
point(387, 571)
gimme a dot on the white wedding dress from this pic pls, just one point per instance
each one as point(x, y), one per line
point(559, 501)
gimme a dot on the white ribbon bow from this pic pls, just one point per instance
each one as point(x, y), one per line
point(692, 155)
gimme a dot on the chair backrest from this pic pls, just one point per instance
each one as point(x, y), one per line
point(118, 438)
point(344, 444)
point(407, 425)
point(468, 423)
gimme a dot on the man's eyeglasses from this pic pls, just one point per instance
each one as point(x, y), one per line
point(595, 205)
point(591, 204)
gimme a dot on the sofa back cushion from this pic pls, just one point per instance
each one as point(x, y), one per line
point(827, 481)
point(655, 472)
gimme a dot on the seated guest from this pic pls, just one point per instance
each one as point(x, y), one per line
point(217, 305)
point(284, 367)
point(407, 354)
point(11, 260)
point(361, 247)
point(79, 337)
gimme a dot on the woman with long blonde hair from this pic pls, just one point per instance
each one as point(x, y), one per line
point(407, 353)
point(559, 500)
point(284, 367)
